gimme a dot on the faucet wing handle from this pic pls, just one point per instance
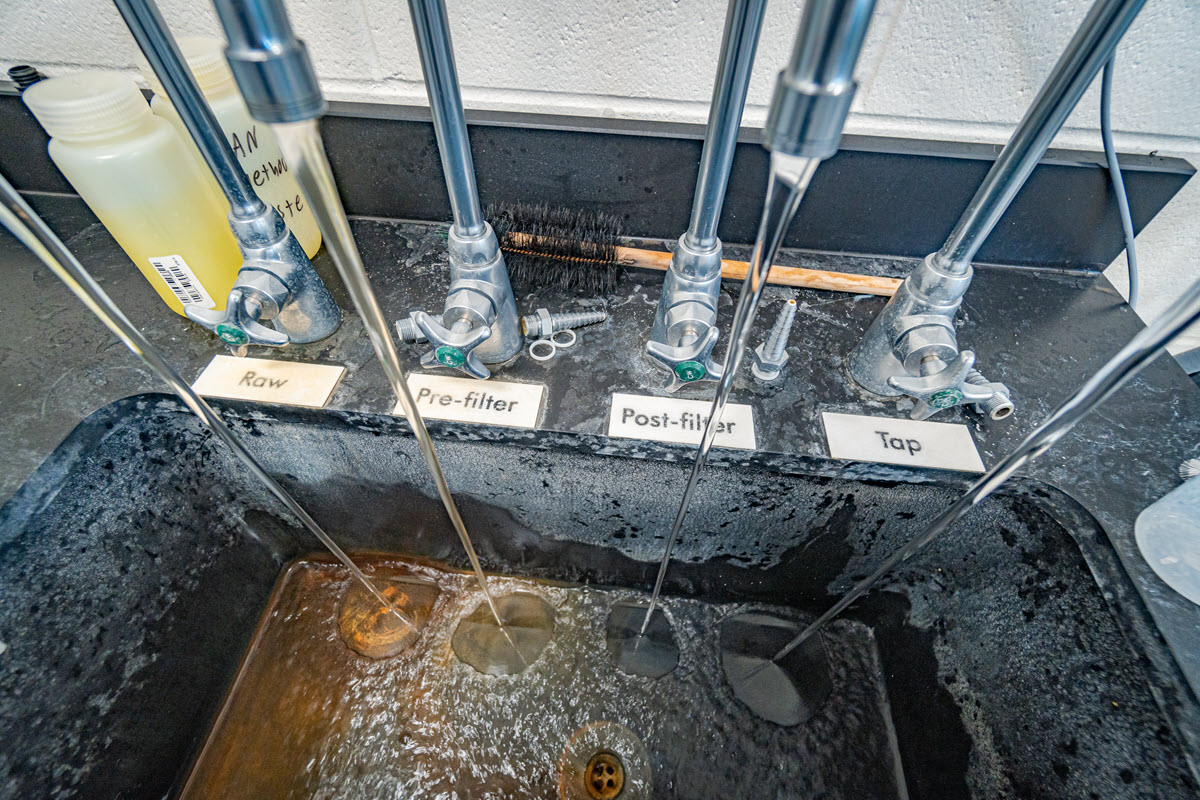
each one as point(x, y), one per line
point(453, 347)
point(239, 323)
point(956, 383)
point(690, 362)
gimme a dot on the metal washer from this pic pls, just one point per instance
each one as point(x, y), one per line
point(552, 348)
point(564, 345)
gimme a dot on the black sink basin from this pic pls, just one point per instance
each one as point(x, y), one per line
point(136, 562)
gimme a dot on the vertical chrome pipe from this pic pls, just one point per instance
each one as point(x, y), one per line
point(1086, 54)
point(154, 38)
point(912, 348)
point(684, 333)
point(743, 22)
point(812, 99)
point(281, 84)
point(276, 281)
point(432, 30)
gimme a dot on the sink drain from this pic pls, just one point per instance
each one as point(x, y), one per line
point(492, 650)
point(604, 761)
point(604, 777)
point(372, 630)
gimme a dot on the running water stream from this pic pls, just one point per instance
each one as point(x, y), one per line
point(32, 231)
point(1140, 351)
point(301, 145)
point(788, 180)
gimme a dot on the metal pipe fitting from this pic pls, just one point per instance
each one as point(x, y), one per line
point(814, 92)
point(541, 324)
point(918, 322)
point(684, 331)
point(276, 281)
point(281, 87)
point(770, 357)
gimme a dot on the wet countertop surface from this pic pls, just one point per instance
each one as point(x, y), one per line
point(1042, 333)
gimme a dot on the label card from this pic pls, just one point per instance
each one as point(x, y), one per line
point(513, 405)
point(910, 442)
point(290, 383)
point(669, 419)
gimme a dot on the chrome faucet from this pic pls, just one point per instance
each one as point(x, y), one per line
point(685, 329)
point(276, 282)
point(911, 349)
point(479, 322)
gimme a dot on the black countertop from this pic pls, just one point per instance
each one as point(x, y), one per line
point(1041, 332)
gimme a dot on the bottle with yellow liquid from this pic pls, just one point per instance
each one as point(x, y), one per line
point(136, 174)
point(253, 142)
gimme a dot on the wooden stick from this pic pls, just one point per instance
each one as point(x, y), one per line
point(736, 270)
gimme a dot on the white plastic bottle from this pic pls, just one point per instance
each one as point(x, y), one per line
point(252, 141)
point(134, 172)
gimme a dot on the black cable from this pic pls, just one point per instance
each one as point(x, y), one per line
point(1114, 171)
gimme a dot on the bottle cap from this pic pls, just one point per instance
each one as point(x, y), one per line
point(205, 57)
point(87, 105)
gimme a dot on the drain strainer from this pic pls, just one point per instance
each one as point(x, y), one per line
point(492, 650)
point(604, 761)
point(786, 692)
point(372, 630)
point(651, 655)
point(604, 776)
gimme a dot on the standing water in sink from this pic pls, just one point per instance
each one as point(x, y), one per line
point(310, 716)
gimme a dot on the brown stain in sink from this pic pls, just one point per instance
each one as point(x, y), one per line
point(308, 716)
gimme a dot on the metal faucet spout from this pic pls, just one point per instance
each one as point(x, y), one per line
point(480, 292)
point(276, 282)
point(684, 331)
point(916, 328)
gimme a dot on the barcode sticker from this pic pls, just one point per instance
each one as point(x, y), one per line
point(182, 281)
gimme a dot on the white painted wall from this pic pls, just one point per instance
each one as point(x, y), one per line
point(938, 69)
